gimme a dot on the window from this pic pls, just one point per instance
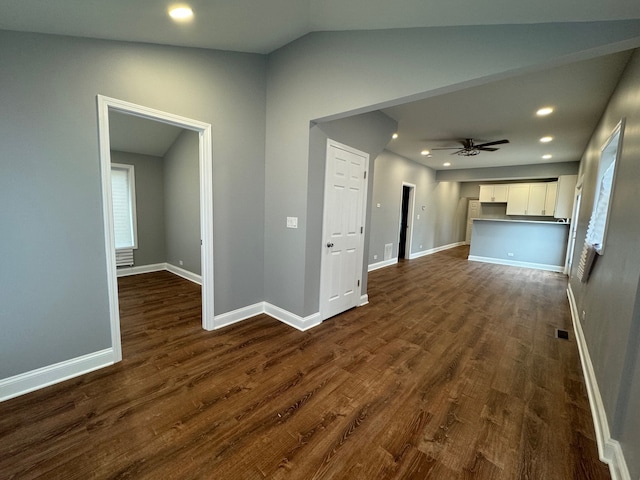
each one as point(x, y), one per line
point(123, 193)
point(596, 232)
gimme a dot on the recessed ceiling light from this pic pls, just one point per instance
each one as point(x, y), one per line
point(544, 111)
point(547, 156)
point(446, 164)
point(425, 152)
point(181, 13)
point(394, 136)
point(546, 139)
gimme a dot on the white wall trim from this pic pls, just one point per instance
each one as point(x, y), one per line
point(59, 372)
point(235, 316)
point(609, 450)
point(127, 271)
point(364, 299)
point(384, 263)
point(158, 267)
point(292, 319)
point(205, 159)
point(513, 263)
point(181, 272)
point(435, 250)
point(43, 377)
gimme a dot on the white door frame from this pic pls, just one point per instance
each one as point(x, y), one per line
point(325, 226)
point(106, 104)
point(410, 219)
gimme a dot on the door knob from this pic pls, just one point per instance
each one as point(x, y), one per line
point(329, 244)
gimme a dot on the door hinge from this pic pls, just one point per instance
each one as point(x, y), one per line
point(361, 231)
point(365, 174)
point(358, 282)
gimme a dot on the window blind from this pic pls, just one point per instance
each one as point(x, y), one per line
point(123, 206)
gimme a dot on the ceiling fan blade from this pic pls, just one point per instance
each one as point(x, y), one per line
point(446, 148)
point(487, 149)
point(497, 142)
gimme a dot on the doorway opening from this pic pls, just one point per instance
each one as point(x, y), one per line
point(106, 106)
point(406, 220)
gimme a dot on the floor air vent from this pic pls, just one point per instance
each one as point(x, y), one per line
point(563, 334)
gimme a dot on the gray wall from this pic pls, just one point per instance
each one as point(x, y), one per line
point(54, 283)
point(369, 133)
point(331, 75)
point(182, 203)
point(149, 174)
point(442, 222)
point(610, 299)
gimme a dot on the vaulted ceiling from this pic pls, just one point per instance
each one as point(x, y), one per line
point(503, 109)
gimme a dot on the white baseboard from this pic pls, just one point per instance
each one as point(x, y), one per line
point(126, 271)
point(609, 450)
point(513, 263)
point(384, 263)
point(59, 372)
point(434, 250)
point(181, 272)
point(292, 319)
point(364, 299)
point(158, 267)
point(235, 316)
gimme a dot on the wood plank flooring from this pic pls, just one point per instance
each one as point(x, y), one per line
point(451, 372)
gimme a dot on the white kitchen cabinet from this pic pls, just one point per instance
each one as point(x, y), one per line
point(518, 199)
point(550, 199)
point(494, 193)
point(535, 199)
point(566, 196)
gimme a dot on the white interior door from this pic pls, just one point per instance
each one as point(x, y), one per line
point(343, 228)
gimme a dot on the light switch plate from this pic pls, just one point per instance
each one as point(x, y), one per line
point(292, 222)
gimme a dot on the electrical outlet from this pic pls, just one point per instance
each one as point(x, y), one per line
point(180, 262)
point(510, 254)
point(292, 222)
point(375, 257)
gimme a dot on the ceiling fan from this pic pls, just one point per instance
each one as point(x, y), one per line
point(469, 148)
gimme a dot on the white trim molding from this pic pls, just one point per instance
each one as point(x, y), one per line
point(513, 263)
point(291, 319)
point(187, 275)
point(280, 314)
point(435, 250)
point(384, 263)
point(205, 161)
point(609, 449)
point(159, 267)
point(59, 372)
point(235, 316)
point(127, 271)
point(364, 300)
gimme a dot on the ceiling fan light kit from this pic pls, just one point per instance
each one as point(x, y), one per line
point(470, 149)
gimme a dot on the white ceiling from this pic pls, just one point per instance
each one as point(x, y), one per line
point(262, 26)
point(506, 109)
point(491, 112)
point(128, 133)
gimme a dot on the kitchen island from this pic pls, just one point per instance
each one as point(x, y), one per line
point(522, 243)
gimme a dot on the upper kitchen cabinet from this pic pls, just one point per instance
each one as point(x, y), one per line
point(494, 193)
point(566, 196)
point(537, 199)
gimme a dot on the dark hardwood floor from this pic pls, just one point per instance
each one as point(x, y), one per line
point(452, 371)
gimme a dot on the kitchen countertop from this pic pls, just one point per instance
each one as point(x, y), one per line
point(519, 221)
